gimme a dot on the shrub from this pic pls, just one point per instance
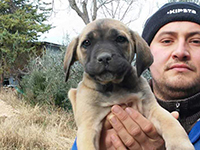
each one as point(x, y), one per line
point(45, 84)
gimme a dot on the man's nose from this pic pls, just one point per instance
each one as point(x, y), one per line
point(181, 52)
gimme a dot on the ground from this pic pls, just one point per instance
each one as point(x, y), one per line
point(25, 127)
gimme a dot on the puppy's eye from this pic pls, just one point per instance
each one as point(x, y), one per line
point(86, 43)
point(121, 39)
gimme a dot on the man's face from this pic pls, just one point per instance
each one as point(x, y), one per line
point(176, 67)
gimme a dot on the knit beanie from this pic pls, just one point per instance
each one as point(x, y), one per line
point(176, 11)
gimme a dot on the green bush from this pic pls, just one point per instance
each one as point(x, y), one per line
point(45, 84)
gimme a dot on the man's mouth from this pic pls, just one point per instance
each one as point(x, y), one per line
point(180, 67)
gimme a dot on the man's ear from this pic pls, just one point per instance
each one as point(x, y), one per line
point(144, 58)
point(70, 57)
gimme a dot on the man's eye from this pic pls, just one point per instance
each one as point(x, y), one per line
point(86, 43)
point(167, 41)
point(195, 41)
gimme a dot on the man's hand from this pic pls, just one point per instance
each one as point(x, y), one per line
point(128, 129)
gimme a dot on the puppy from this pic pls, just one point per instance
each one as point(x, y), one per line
point(106, 49)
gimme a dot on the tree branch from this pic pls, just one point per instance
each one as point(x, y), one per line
point(95, 9)
point(126, 11)
point(84, 14)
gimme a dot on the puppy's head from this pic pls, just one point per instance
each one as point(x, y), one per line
point(106, 48)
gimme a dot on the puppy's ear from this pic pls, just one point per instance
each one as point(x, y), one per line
point(144, 58)
point(70, 57)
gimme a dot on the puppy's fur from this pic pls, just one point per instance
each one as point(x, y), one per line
point(106, 49)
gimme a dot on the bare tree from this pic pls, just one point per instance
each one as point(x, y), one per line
point(116, 9)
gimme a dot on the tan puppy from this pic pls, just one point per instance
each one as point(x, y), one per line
point(106, 49)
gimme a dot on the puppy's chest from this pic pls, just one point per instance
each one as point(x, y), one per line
point(117, 96)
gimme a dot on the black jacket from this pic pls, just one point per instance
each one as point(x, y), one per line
point(188, 108)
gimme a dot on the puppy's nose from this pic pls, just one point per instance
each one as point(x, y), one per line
point(104, 58)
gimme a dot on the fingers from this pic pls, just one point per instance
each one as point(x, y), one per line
point(133, 129)
point(125, 137)
point(146, 126)
point(106, 124)
point(105, 140)
point(117, 142)
point(175, 114)
point(109, 139)
point(151, 135)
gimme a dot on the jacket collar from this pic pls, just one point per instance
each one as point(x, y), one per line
point(188, 108)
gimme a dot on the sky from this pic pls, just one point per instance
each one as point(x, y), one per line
point(65, 21)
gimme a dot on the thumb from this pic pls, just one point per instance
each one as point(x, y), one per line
point(175, 114)
point(106, 124)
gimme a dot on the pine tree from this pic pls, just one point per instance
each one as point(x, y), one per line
point(21, 24)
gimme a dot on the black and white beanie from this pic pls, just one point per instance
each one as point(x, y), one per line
point(176, 11)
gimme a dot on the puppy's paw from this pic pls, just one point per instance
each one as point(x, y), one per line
point(183, 145)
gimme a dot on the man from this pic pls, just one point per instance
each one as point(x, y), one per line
point(173, 34)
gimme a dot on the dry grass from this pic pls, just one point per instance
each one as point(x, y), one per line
point(35, 128)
